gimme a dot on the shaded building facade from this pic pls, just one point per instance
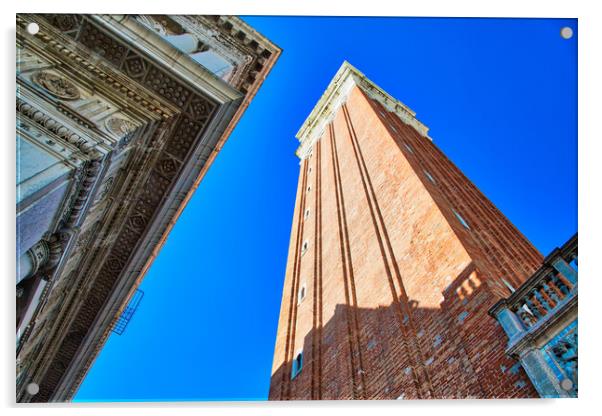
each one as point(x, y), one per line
point(118, 119)
point(395, 260)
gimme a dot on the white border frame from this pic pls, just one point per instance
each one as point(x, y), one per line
point(590, 201)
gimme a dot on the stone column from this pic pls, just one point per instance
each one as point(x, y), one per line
point(32, 260)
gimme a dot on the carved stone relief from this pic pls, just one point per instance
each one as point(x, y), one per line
point(56, 85)
point(119, 126)
point(104, 190)
point(151, 23)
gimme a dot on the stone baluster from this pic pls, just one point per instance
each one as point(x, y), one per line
point(563, 284)
point(530, 304)
point(558, 295)
point(543, 291)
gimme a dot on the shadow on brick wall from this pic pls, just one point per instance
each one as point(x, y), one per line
point(406, 351)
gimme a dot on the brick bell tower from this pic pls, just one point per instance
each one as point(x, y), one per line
point(395, 258)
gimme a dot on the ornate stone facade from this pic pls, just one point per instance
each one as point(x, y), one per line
point(115, 127)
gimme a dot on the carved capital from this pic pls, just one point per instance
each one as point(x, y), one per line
point(39, 255)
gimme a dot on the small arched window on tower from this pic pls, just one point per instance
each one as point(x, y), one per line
point(409, 148)
point(306, 215)
point(297, 364)
point(309, 188)
point(301, 294)
point(429, 176)
point(462, 220)
point(304, 247)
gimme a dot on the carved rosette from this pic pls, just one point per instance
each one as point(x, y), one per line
point(119, 126)
point(56, 85)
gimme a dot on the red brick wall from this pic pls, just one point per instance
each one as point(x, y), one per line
point(397, 289)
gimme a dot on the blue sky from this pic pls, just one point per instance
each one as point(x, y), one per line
point(500, 98)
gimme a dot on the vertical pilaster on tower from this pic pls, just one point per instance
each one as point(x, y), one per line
point(402, 257)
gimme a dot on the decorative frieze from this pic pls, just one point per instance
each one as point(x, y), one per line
point(115, 52)
point(90, 64)
point(48, 122)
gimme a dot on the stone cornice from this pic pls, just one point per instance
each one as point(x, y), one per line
point(250, 53)
point(251, 48)
point(180, 64)
point(60, 49)
point(336, 94)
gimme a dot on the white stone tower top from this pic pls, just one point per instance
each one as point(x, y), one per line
point(336, 94)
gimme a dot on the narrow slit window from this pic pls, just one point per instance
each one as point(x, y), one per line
point(297, 364)
point(304, 247)
point(301, 294)
point(306, 213)
point(409, 148)
point(462, 220)
point(429, 176)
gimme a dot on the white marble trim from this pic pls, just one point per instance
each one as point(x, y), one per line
point(336, 95)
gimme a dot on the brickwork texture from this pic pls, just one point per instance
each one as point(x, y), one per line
point(399, 257)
